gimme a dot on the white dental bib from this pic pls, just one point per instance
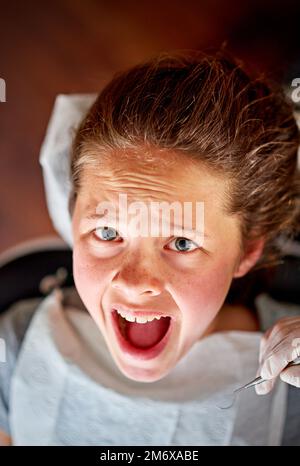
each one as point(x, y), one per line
point(67, 390)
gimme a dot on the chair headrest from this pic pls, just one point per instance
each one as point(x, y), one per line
point(68, 111)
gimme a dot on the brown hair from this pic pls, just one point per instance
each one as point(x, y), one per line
point(206, 107)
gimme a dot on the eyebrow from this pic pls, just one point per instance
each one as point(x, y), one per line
point(187, 230)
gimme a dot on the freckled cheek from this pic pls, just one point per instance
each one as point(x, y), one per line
point(91, 276)
point(201, 296)
point(215, 287)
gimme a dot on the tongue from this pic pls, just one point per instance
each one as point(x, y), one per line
point(147, 335)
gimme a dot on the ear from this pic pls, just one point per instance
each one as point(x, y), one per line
point(253, 251)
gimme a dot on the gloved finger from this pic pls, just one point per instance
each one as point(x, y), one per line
point(291, 375)
point(278, 355)
point(262, 347)
point(274, 335)
point(280, 331)
point(276, 362)
point(265, 387)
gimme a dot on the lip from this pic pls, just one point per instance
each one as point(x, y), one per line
point(132, 311)
point(139, 353)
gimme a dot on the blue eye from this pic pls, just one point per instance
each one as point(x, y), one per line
point(107, 233)
point(110, 234)
point(182, 243)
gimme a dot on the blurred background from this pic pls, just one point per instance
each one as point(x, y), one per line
point(71, 46)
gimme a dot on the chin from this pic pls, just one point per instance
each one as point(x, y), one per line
point(140, 374)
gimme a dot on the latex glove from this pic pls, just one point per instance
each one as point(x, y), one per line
point(278, 346)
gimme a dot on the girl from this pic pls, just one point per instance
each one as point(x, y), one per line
point(143, 350)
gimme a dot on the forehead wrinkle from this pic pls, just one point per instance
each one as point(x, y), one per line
point(136, 183)
point(138, 177)
point(130, 164)
point(98, 181)
point(138, 194)
point(110, 188)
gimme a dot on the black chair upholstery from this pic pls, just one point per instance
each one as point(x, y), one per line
point(20, 278)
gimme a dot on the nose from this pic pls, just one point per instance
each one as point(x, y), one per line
point(137, 277)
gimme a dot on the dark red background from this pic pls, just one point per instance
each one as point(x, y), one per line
point(65, 46)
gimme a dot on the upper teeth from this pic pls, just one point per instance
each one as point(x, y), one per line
point(139, 320)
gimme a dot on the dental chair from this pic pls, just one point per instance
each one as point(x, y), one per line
point(32, 268)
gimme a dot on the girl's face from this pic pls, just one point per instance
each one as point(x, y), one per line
point(154, 274)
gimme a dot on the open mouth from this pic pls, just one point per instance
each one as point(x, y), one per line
point(142, 340)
